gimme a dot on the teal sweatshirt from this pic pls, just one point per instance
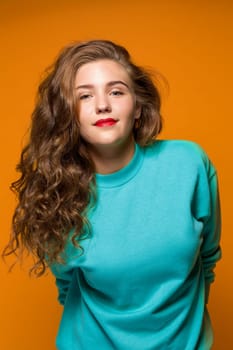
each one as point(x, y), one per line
point(143, 278)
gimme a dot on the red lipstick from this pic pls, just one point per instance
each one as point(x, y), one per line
point(105, 122)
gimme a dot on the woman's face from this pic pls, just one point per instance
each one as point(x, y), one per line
point(106, 103)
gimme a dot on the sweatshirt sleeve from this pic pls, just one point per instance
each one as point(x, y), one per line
point(210, 249)
point(206, 208)
point(63, 275)
point(72, 257)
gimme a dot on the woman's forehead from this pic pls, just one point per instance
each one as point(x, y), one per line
point(101, 71)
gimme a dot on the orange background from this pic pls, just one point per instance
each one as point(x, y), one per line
point(191, 43)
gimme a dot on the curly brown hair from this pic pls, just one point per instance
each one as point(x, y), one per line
point(57, 174)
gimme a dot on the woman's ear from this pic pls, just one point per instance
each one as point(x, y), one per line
point(138, 111)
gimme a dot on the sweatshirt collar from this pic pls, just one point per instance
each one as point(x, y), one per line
point(125, 174)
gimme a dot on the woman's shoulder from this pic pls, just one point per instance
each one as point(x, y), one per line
point(180, 146)
point(182, 152)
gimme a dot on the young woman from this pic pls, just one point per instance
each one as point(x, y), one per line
point(128, 224)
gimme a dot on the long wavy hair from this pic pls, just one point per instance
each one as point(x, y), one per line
point(57, 177)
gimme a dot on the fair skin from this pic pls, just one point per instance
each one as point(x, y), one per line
point(107, 111)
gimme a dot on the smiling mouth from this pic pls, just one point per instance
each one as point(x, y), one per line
point(105, 122)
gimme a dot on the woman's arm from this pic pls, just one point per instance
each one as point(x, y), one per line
point(63, 275)
point(210, 250)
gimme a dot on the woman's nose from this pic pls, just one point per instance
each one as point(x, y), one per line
point(103, 105)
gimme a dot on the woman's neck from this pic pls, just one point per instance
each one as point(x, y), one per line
point(111, 158)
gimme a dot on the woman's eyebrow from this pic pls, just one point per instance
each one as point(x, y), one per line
point(110, 83)
point(115, 82)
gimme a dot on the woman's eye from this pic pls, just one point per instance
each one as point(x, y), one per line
point(116, 93)
point(84, 96)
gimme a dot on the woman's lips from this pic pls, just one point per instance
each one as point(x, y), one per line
point(105, 122)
